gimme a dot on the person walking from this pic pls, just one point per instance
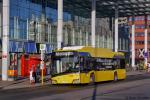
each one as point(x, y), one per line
point(148, 67)
point(38, 74)
point(31, 76)
point(35, 77)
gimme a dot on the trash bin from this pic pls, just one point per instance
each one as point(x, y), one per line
point(12, 74)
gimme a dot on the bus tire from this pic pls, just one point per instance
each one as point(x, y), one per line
point(115, 77)
point(92, 79)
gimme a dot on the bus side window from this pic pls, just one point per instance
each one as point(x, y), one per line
point(115, 66)
point(98, 66)
point(81, 61)
point(122, 63)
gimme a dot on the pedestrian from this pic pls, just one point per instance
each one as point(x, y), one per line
point(38, 74)
point(31, 76)
point(34, 77)
point(148, 67)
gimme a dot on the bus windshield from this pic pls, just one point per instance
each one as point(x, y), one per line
point(65, 63)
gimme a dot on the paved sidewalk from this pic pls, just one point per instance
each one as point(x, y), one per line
point(130, 73)
point(24, 83)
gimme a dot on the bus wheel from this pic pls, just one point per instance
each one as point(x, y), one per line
point(92, 79)
point(115, 76)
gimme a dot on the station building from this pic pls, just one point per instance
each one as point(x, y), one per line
point(34, 22)
point(140, 25)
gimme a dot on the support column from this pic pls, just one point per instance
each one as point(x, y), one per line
point(73, 35)
point(145, 42)
point(0, 25)
point(93, 24)
point(5, 40)
point(27, 29)
point(15, 34)
point(60, 24)
point(80, 37)
point(49, 33)
point(65, 36)
point(116, 29)
point(98, 40)
point(17, 27)
point(73, 27)
point(133, 43)
point(59, 30)
point(112, 34)
point(103, 41)
point(87, 38)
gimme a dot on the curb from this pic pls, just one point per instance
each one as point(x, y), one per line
point(138, 73)
point(24, 87)
point(46, 84)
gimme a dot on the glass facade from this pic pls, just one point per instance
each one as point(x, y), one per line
point(35, 20)
point(139, 18)
point(32, 20)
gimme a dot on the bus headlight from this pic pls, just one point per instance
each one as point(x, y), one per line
point(76, 81)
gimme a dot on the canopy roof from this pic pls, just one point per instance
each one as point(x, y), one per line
point(104, 8)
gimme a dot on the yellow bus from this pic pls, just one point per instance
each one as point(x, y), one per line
point(82, 65)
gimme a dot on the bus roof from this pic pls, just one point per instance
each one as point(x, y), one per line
point(94, 52)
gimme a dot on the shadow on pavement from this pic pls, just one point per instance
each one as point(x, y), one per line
point(94, 92)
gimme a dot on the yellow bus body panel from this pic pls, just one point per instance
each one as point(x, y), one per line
point(85, 77)
point(65, 79)
point(121, 73)
point(104, 76)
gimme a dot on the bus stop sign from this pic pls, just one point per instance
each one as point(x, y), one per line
point(42, 46)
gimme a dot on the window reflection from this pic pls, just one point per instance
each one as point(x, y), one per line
point(29, 22)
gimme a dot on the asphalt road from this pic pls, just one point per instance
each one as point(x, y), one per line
point(135, 87)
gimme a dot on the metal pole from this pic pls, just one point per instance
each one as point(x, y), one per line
point(133, 43)
point(42, 64)
point(145, 42)
point(5, 39)
point(93, 24)
point(60, 24)
point(116, 29)
point(42, 77)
